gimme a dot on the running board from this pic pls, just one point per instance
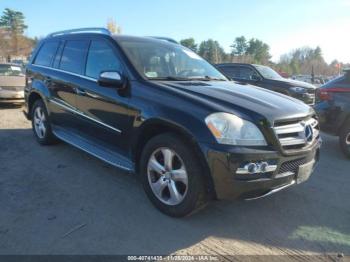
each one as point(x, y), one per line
point(272, 191)
point(102, 153)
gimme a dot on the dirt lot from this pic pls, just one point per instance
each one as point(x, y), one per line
point(59, 200)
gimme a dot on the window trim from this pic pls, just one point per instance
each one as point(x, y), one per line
point(59, 54)
point(67, 72)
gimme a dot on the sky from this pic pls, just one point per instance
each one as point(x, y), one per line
point(283, 25)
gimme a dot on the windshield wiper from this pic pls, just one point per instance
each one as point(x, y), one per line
point(175, 78)
point(170, 78)
point(207, 78)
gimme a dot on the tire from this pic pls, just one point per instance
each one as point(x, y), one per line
point(179, 196)
point(41, 124)
point(344, 139)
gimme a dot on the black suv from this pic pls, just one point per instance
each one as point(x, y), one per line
point(266, 77)
point(333, 108)
point(157, 109)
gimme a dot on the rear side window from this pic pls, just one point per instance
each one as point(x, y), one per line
point(73, 56)
point(230, 71)
point(46, 54)
point(101, 58)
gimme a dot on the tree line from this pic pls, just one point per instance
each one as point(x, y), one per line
point(304, 60)
point(13, 42)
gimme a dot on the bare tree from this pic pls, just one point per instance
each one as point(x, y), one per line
point(113, 27)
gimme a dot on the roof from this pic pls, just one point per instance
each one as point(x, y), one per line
point(106, 32)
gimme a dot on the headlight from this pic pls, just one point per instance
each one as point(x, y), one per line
point(298, 89)
point(232, 130)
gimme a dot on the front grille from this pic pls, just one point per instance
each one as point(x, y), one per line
point(292, 166)
point(297, 134)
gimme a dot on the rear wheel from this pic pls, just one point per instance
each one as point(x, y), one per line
point(41, 124)
point(171, 176)
point(344, 140)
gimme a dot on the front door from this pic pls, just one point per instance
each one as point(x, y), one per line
point(103, 110)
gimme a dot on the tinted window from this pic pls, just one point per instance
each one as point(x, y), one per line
point(10, 70)
point(73, 56)
point(231, 71)
point(101, 58)
point(247, 73)
point(46, 53)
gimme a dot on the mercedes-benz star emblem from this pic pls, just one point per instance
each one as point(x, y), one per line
point(309, 134)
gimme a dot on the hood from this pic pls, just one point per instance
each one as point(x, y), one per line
point(243, 99)
point(291, 83)
point(16, 81)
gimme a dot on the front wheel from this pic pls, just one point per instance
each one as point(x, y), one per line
point(171, 176)
point(344, 140)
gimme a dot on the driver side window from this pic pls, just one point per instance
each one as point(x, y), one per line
point(247, 73)
point(101, 58)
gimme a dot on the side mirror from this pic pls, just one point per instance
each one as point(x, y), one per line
point(112, 79)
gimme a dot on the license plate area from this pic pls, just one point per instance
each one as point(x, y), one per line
point(305, 171)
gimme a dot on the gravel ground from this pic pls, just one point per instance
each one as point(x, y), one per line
point(59, 200)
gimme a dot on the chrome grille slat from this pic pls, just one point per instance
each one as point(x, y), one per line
point(293, 128)
point(289, 141)
point(294, 134)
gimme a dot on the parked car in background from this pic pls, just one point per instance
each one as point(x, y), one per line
point(333, 108)
point(12, 82)
point(266, 77)
point(317, 80)
point(157, 109)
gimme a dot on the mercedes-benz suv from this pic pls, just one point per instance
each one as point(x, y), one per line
point(158, 110)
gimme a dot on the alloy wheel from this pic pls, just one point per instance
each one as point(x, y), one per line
point(167, 176)
point(39, 122)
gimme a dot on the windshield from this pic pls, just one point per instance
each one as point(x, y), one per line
point(160, 60)
point(267, 72)
point(10, 70)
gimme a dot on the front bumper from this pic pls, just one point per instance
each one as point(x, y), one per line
point(7, 95)
point(224, 162)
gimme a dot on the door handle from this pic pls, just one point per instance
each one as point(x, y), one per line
point(80, 92)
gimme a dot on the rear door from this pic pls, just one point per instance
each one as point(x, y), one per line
point(104, 111)
point(68, 68)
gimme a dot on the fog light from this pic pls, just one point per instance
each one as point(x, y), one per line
point(252, 168)
point(256, 168)
point(264, 166)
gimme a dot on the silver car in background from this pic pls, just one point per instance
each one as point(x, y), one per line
point(12, 82)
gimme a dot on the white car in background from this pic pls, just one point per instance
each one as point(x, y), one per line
point(12, 83)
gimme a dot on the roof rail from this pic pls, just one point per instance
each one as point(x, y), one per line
point(100, 30)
